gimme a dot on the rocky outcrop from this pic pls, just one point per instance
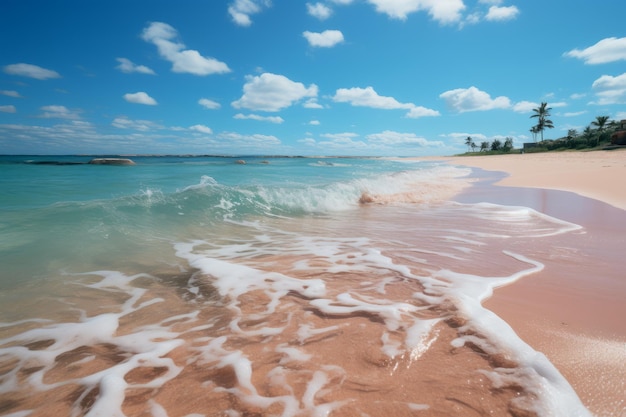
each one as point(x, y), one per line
point(112, 161)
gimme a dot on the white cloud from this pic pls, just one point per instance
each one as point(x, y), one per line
point(240, 10)
point(272, 92)
point(325, 39)
point(10, 93)
point(201, 128)
point(473, 99)
point(8, 109)
point(419, 111)
point(314, 122)
point(391, 138)
point(255, 139)
point(312, 104)
point(610, 90)
point(524, 106)
point(183, 60)
point(497, 13)
point(209, 104)
point(140, 98)
point(368, 97)
point(31, 71)
point(319, 10)
point(443, 11)
point(58, 112)
point(124, 122)
point(127, 66)
point(606, 50)
point(342, 2)
point(271, 119)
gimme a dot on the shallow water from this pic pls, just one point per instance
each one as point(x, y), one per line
point(198, 287)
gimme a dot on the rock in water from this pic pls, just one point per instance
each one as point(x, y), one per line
point(112, 161)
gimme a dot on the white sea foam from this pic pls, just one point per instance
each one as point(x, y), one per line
point(277, 289)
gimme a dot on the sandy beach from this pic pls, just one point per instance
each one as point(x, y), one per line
point(572, 311)
point(591, 174)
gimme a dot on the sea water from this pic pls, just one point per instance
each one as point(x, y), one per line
point(206, 286)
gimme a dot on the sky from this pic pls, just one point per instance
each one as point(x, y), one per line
point(291, 77)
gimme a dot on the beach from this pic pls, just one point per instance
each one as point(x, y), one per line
point(572, 311)
point(200, 286)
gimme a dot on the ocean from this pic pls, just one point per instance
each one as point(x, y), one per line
point(264, 286)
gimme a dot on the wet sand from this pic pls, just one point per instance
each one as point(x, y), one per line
point(571, 311)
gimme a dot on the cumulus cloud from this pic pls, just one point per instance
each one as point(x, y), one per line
point(140, 98)
point(319, 10)
point(8, 109)
point(610, 90)
point(472, 99)
point(58, 112)
point(189, 61)
point(241, 10)
point(325, 39)
point(312, 104)
point(202, 129)
point(497, 13)
point(605, 51)
point(419, 111)
point(10, 93)
point(209, 104)
point(314, 122)
point(391, 138)
point(272, 92)
point(31, 71)
point(271, 119)
point(443, 11)
point(525, 106)
point(127, 66)
point(368, 97)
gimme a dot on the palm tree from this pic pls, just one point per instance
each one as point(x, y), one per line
point(534, 130)
point(571, 134)
point(600, 123)
point(496, 145)
point(508, 144)
point(468, 142)
point(484, 146)
point(474, 146)
point(542, 113)
point(588, 133)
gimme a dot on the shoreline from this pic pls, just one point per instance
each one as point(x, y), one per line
point(593, 174)
point(571, 310)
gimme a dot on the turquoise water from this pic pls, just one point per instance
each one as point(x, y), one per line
point(282, 286)
point(56, 210)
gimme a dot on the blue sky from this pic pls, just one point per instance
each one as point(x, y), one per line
point(327, 77)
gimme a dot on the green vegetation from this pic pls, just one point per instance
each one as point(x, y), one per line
point(596, 135)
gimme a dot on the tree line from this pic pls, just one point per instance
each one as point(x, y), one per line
point(597, 133)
